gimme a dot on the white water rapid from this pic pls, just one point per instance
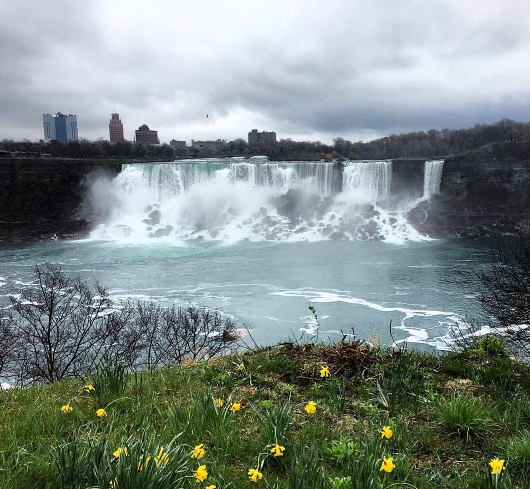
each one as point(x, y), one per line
point(237, 199)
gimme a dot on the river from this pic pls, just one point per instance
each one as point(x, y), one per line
point(261, 241)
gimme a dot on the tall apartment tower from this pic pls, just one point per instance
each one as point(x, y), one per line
point(60, 127)
point(116, 129)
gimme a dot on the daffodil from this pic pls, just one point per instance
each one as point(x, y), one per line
point(211, 487)
point(66, 409)
point(240, 367)
point(162, 458)
point(497, 466)
point(198, 452)
point(324, 371)
point(219, 403)
point(236, 406)
point(89, 388)
point(113, 483)
point(100, 413)
point(201, 474)
point(311, 407)
point(388, 464)
point(254, 475)
point(387, 432)
point(147, 460)
point(119, 451)
point(277, 450)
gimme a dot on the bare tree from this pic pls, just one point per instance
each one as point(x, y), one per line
point(61, 328)
point(8, 343)
point(60, 325)
point(506, 294)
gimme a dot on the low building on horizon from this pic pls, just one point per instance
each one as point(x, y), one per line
point(145, 135)
point(177, 144)
point(256, 138)
point(116, 129)
point(209, 146)
point(60, 127)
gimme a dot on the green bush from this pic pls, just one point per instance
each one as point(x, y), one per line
point(465, 416)
point(492, 346)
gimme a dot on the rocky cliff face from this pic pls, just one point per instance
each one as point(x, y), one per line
point(44, 199)
point(483, 193)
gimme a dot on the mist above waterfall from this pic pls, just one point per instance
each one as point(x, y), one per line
point(233, 200)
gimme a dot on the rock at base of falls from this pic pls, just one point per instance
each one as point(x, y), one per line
point(337, 236)
point(159, 233)
point(154, 218)
point(148, 209)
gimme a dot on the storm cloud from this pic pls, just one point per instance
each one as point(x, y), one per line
point(309, 70)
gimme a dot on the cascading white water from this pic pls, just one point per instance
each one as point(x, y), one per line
point(432, 177)
point(235, 200)
point(373, 178)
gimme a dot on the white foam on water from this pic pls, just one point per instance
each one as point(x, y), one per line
point(416, 335)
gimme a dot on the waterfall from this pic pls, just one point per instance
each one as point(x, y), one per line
point(432, 177)
point(373, 178)
point(256, 199)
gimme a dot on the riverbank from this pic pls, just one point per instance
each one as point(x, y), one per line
point(449, 416)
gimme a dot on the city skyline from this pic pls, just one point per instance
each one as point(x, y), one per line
point(309, 71)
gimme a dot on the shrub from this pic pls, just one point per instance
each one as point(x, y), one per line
point(465, 416)
point(519, 447)
point(492, 346)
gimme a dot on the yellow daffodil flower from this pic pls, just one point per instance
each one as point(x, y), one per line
point(277, 450)
point(147, 460)
point(67, 409)
point(89, 388)
point(387, 432)
point(240, 367)
point(311, 407)
point(219, 403)
point(254, 475)
point(198, 452)
point(236, 406)
point(162, 458)
point(388, 464)
point(113, 483)
point(211, 487)
point(100, 413)
point(201, 474)
point(324, 371)
point(119, 451)
point(497, 466)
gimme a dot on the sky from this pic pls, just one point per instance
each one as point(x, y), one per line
point(308, 70)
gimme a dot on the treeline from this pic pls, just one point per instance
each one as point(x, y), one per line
point(428, 144)
point(421, 144)
point(89, 149)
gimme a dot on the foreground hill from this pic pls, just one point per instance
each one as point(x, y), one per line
point(274, 418)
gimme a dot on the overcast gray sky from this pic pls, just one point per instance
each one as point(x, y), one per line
point(309, 70)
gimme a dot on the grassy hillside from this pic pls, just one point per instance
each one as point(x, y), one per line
point(449, 416)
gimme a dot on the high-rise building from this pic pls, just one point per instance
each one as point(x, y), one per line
point(256, 138)
point(116, 129)
point(60, 127)
point(145, 135)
